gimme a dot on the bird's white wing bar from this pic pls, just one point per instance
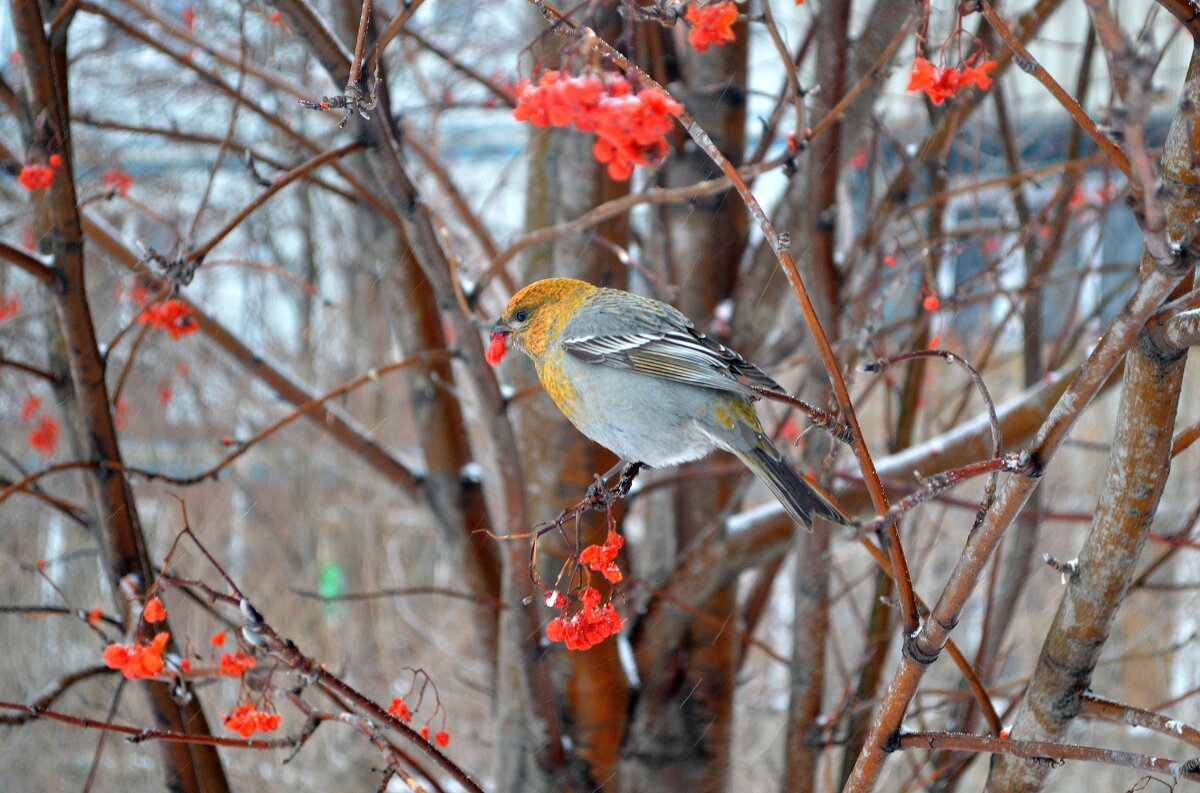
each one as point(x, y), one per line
point(686, 357)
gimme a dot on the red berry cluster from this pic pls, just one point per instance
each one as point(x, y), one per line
point(30, 408)
point(235, 665)
point(39, 177)
point(44, 435)
point(138, 661)
point(172, 316)
point(154, 610)
point(9, 307)
point(942, 82)
point(118, 181)
point(247, 720)
point(711, 24)
point(589, 626)
point(600, 557)
point(630, 127)
point(399, 709)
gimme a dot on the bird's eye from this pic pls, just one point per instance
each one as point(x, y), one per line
point(521, 315)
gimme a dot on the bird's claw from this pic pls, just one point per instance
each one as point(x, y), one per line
point(601, 497)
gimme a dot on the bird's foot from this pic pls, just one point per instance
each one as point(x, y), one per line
point(601, 497)
point(628, 474)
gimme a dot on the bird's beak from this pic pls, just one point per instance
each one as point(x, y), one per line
point(501, 328)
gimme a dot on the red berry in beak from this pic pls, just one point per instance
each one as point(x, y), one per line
point(496, 349)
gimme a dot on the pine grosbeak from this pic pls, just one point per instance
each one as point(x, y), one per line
point(634, 375)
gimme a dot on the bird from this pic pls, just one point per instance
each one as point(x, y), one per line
point(635, 375)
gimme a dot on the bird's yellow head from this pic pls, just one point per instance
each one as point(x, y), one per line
point(536, 315)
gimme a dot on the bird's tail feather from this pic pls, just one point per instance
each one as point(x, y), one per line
point(800, 498)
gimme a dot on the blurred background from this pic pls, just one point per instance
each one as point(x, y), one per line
point(759, 671)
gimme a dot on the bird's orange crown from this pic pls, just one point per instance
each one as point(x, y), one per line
point(540, 310)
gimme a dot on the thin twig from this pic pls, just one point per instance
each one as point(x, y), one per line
point(281, 181)
point(1030, 66)
point(1053, 752)
point(139, 734)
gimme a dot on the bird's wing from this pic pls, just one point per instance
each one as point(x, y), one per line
point(684, 355)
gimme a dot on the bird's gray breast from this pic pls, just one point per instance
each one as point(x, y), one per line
point(638, 417)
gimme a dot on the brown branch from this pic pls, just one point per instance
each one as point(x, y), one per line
point(1185, 12)
point(1131, 75)
point(1185, 438)
point(431, 273)
point(1140, 459)
point(1044, 750)
point(73, 511)
point(115, 510)
point(390, 751)
point(889, 538)
point(283, 180)
point(20, 485)
point(206, 44)
point(243, 446)
point(272, 119)
point(1098, 707)
point(972, 372)
point(770, 129)
point(923, 649)
point(1122, 333)
point(139, 734)
point(794, 93)
point(360, 43)
point(405, 592)
point(40, 268)
point(57, 689)
point(457, 64)
point(870, 75)
point(815, 414)
point(143, 330)
point(612, 208)
point(212, 140)
point(1183, 329)
point(331, 418)
point(395, 26)
point(933, 486)
point(290, 655)
point(62, 18)
point(46, 375)
point(1030, 66)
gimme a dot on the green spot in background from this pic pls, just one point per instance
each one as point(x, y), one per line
point(330, 583)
